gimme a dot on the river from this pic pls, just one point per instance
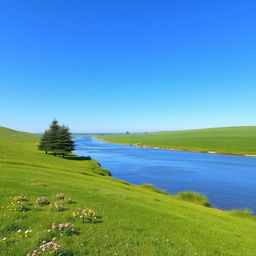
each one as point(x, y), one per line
point(228, 181)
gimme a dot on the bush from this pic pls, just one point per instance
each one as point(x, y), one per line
point(194, 197)
point(154, 189)
point(242, 213)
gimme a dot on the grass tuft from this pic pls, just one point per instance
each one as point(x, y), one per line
point(194, 197)
point(245, 213)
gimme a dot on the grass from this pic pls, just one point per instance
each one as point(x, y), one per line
point(193, 197)
point(228, 140)
point(134, 220)
point(246, 213)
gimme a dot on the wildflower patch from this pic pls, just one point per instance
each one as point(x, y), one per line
point(64, 228)
point(86, 215)
point(50, 247)
point(42, 201)
point(19, 206)
point(57, 206)
point(21, 198)
point(60, 196)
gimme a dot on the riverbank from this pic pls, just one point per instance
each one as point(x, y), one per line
point(239, 141)
point(177, 149)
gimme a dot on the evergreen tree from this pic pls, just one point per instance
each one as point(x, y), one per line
point(44, 142)
point(53, 136)
point(57, 139)
point(65, 144)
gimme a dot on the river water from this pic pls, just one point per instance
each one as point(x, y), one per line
point(228, 181)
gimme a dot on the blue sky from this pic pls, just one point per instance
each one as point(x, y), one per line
point(113, 66)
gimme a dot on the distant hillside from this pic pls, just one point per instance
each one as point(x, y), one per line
point(229, 140)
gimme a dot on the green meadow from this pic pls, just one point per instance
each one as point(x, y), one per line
point(131, 220)
point(227, 140)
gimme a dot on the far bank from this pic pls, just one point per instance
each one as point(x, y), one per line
point(227, 140)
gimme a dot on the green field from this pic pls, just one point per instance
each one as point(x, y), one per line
point(134, 220)
point(228, 140)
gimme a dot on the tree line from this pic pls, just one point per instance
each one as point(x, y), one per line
point(57, 139)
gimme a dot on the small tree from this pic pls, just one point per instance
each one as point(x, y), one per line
point(44, 142)
point(65, 144)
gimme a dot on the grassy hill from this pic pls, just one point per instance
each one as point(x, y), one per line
point(133, 220)
point(229, 140)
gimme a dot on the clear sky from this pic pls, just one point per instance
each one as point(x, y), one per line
point(116, 66)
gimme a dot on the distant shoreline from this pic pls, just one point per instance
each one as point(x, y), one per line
point(178, 149)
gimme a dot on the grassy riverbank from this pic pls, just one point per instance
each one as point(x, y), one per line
point(228, 140)
point(134, 220)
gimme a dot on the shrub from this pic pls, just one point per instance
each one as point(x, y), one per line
point(154, 189)
point(43, 200)
point(242, 213)
point(194, 197)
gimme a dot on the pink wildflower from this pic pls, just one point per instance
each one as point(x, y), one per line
point(61, 226)
point(49, 244)
point(56, 246)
